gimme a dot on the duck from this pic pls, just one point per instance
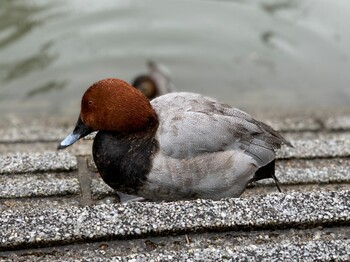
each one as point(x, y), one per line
point(178, 146)
point(156, 83)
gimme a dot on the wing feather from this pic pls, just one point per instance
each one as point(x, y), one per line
point(192, 124)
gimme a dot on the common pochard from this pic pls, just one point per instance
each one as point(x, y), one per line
point(156, 82)
point(177, 146)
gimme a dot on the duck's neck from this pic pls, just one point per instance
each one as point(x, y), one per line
point(124, 160)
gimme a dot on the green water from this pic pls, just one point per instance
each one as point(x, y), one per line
point(251, 54)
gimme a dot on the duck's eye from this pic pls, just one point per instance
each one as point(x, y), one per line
point(90, 103)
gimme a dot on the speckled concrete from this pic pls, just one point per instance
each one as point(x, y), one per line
point(315, 148)
point(296, 123)
point(310, 251)
point(229, 240)
point(336, 123)
point(339, 135)
point(45, 162)
point(335, 170)
point(33, 133)
point(62, 225)
point(38, 185)
point(337, 250)
point(252, 190)
point(80, 148)
point(39, 202)
point(54, 206)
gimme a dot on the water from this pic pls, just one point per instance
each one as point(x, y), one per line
point(251, 54)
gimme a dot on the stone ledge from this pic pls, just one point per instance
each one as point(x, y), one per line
point(38, 185)
point(34, 163)
point(313, 250)
point(337, 123)
point(333, 250)
point(42, 215)
point(315, 148)
point(38, 202)
point(232, 240)
point(341, 135)
point(295, 124)
point(336, 170)
point(79, 148)
point(37, 227)
point(33, 133)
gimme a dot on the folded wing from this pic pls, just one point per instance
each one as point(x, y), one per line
point(192, 124)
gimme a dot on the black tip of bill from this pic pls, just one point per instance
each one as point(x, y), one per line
point(69, 140)
point(61, 147)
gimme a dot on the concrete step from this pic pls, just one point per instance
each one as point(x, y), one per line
point(319, 250)
point(288, 251)
point(53, 226)
point(55, 207)
point(35, 163)
point(38, 185)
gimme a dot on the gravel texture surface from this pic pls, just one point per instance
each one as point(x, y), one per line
point(170, 244)
point(335, 170)
point(33, 133)
point(337, 250)
point(15, 186)
point(297, 123)
point(315, 148)
point(79, 148)
point(337, 123)
point(38, 202)
point(310, 251)
point(340, 135)
point(61, 225)
point(287, 189)
point(54, 206)
point(34, 163)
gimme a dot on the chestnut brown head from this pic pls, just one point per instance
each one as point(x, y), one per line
point(112, 105)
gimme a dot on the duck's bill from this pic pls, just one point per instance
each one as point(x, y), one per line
point(69, 140)
point(80, 131)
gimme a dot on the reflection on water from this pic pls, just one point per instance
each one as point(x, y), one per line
point(48, 87)
point(272, 7)
point(251, 54)
point(38, 61)
point(266, 36)
point(17, 19)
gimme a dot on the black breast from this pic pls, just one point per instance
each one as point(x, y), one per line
point(124, 161)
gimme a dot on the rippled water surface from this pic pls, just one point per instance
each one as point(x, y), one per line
point(251, 54)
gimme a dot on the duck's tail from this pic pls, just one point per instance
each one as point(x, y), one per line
point(278, 139)
point(267, 171)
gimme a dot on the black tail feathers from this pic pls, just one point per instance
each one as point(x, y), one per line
point(267, 171)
